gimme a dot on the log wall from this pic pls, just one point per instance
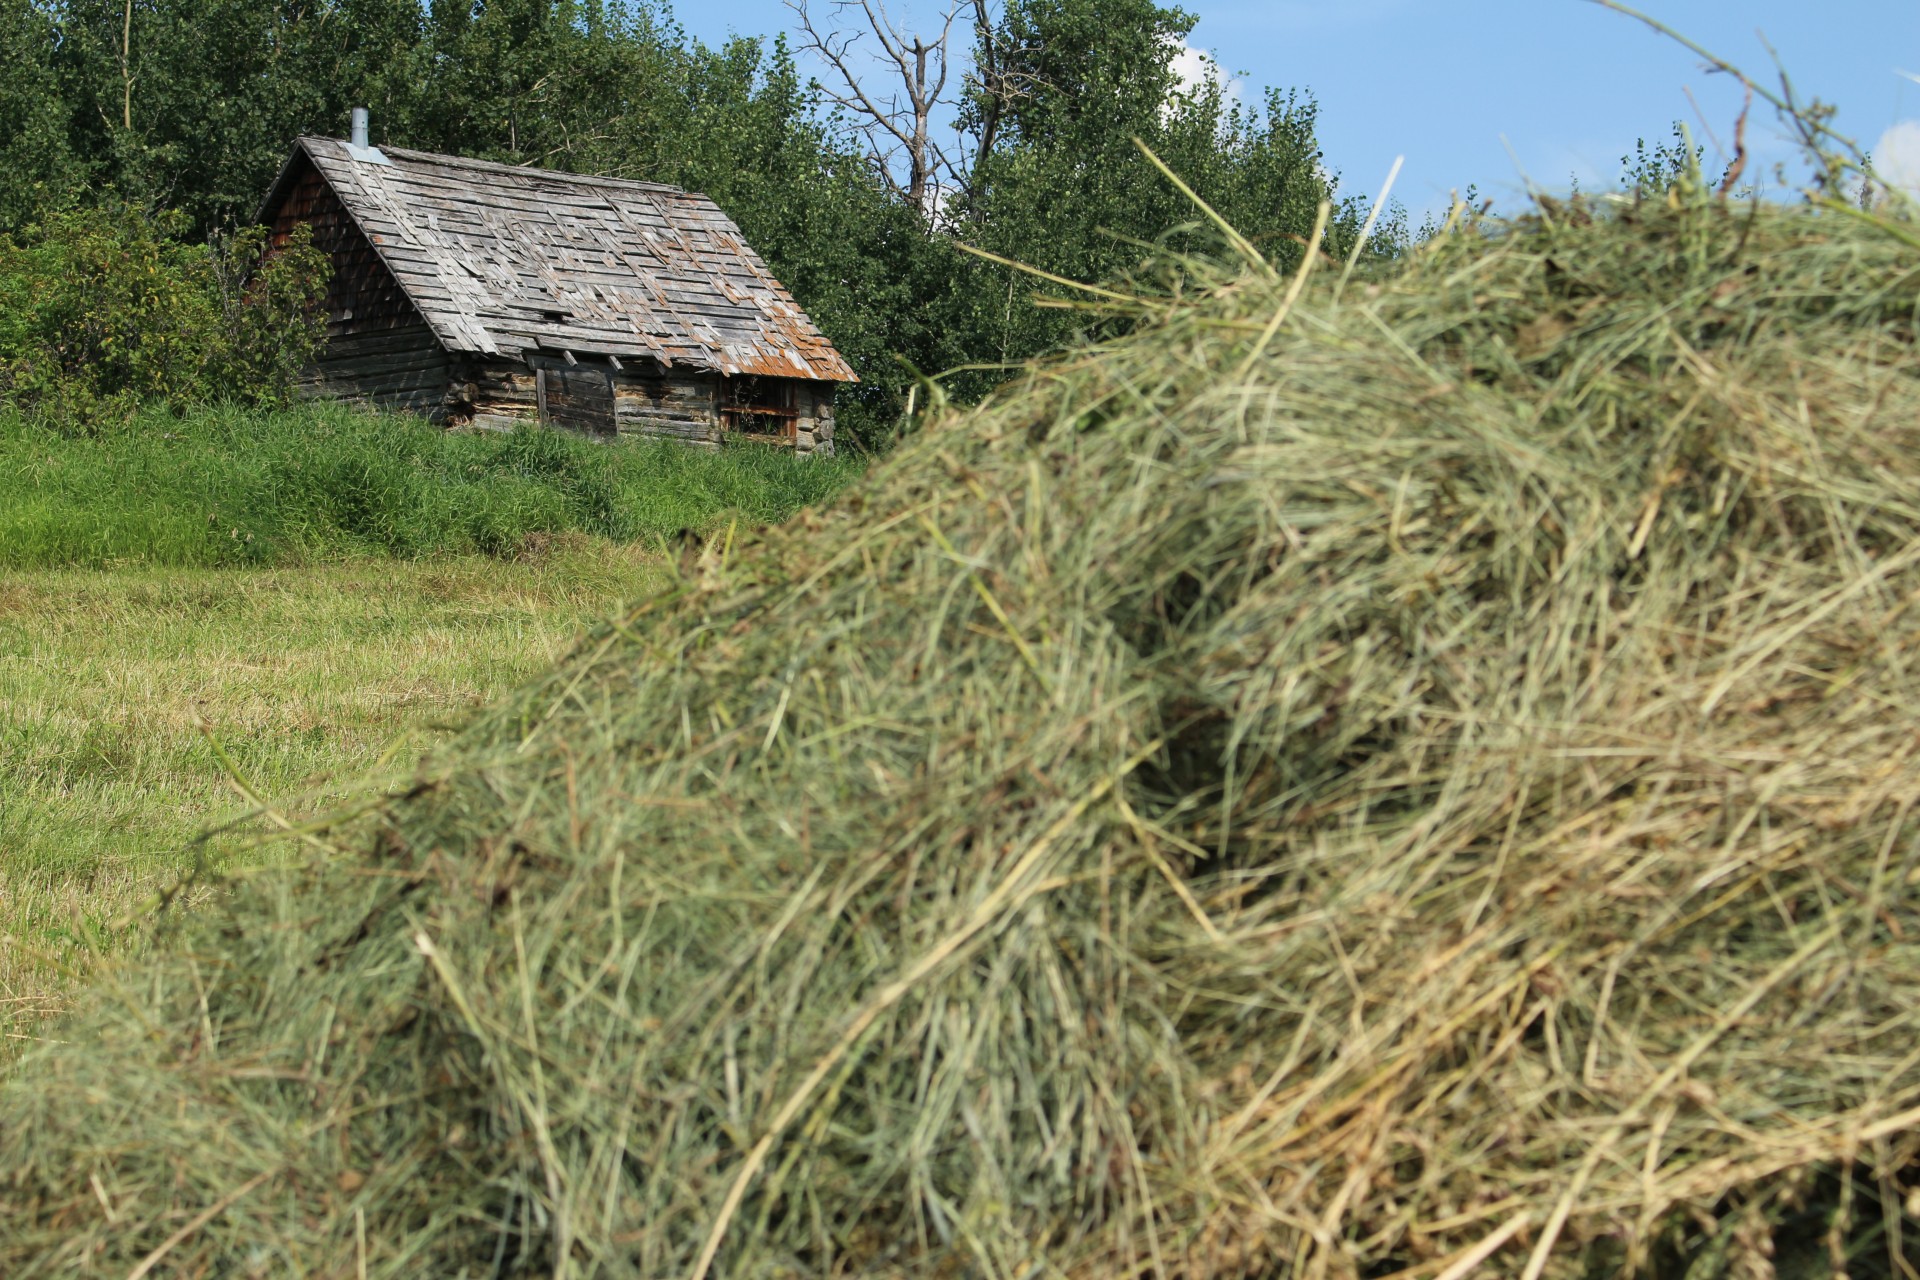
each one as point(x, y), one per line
point(492, 395)
point(683, 407)
point(497, 395)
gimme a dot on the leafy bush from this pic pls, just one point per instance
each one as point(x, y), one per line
point(103, 310)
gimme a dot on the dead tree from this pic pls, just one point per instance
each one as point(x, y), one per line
point(999, 79)
point(899, 123)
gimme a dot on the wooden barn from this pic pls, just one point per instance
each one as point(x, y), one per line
point(483, 295)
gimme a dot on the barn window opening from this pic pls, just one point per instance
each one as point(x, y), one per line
point(760, 408)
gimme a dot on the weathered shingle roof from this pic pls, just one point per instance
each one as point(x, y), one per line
point(503, 260)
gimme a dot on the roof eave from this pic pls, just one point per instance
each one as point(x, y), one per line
point(448, 340)
point(263, 216)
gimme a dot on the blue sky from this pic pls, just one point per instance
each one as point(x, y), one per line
point(1567, 84)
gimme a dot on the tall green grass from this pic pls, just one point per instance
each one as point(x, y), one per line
point(234, 486)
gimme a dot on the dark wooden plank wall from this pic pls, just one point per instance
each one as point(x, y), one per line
point(362, 297)
point(402, 370)
point(579, 396)
point(379, 350)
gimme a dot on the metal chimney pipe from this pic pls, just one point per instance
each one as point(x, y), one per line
point(360, 126)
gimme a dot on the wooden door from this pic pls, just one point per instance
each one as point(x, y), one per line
point(579, 396)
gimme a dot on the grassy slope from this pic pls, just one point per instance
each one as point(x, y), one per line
point(232, 487)
point(309, 677)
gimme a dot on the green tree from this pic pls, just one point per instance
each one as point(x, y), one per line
point(1044, 168)
point(38, 168)
point(192, 103)
point(1064, 186)
point(103, 310)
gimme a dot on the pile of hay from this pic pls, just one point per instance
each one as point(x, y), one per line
point(1420, 784)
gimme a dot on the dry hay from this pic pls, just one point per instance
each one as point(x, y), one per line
point(1421, 786)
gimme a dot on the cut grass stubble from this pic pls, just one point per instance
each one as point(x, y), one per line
point(116, 686)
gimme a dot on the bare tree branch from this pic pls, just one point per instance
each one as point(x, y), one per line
point(897, 125)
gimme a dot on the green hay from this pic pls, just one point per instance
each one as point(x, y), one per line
point(1424, 786)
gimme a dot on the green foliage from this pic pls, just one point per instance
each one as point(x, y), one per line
point(191, 105)
point(36, 156)
point(1067, 189)
point(1656, 170)
point(228, 486)
point(271, 321)
point(199, 111)
point(102, 311)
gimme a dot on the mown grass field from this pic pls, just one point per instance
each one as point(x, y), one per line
point(318, 594)
point(312, 679)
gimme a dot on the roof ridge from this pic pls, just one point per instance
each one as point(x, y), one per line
point(525, 171)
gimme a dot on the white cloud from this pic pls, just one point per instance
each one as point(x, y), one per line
point(1896, 157)
point(1195, 67)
